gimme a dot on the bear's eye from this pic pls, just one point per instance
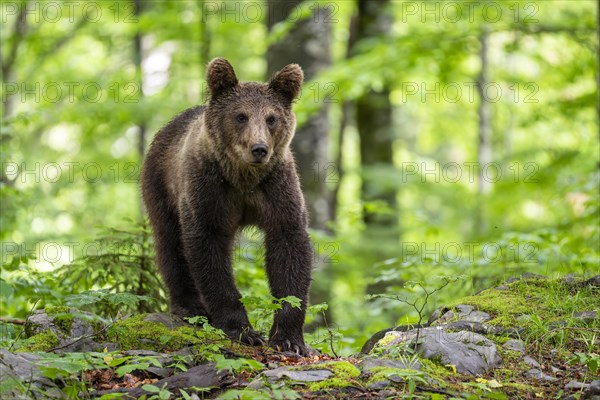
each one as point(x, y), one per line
point(241, 118)
point(271, 120)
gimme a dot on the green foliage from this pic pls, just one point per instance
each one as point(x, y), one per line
point(246, 394)
point(264, 307)
point(159, 393)
point(67, 371)
point(410, 377)
point(24, 287)
point(118, 275)
point(124, 268)
point(104, 297)
point(591, 360)
point(236, 365)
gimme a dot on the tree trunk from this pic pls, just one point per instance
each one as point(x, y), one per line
point(484, 149)
point(598, 64)
point(8, 60)
point(137, 59)
point(204, 49)
point(308, 44)
point(374, 123)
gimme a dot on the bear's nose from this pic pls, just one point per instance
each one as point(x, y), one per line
point(259, 151)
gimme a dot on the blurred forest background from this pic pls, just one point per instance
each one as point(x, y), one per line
point(435, 139)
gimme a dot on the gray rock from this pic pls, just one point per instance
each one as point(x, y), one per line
point(20, 373)
point(160, 372)
point(594, 281)
point(379, 385)
point(531, 362)
point(256, 384)
point(75, 329)
point(80, 323)
point(570, 278)
point(523, 318)
point(463, 312)
point(470, 352)
point(471, 315)
point(515, 345)
point(464, 309)
point(109, 346)
point(593, 391)
point(171, 321)
point(502, 287)
point(477, 327)
point(556, 324)
point(313, 375)
point(574, 385)
point(373, 340)
point(436, 315)
point(531, 275)
point(539, 375)
point(445, 318)
point(396, 379)
point(587, 316)
point(369, 363)
point(525, 275)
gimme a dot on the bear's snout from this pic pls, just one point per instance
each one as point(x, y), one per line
point(259, 151)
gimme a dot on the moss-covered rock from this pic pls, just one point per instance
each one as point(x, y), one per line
point(54, 310)
point(42, 341)
point(65, 322)
point(527, 302)
point(390, 374)
point(344, 375)
point(136, 333)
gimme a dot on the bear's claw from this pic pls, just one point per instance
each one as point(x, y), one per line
point(249, 337)
point(284, 345)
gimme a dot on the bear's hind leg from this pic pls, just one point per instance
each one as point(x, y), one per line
point(185, 299)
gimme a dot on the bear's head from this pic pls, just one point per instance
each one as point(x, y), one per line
point(251, 124)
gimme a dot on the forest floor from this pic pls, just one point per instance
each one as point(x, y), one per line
point(529, 338)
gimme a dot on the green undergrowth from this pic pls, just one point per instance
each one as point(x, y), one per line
point(545, 312)
point(533, 303)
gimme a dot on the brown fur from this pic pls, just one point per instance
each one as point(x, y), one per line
point(217, 168)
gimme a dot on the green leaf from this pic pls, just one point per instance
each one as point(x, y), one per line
point(198, 320)
point(117, 361)
point(126, 369)
point(292, 300)
point(154, 361)
point(6, 290)
point(151, 388)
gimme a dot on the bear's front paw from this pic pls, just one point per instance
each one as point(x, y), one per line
point(291, 345)
point(247, 336)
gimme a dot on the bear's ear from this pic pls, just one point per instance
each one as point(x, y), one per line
point(220, 77)
point(287, 82)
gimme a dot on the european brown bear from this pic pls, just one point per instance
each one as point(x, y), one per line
point(214, 169)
